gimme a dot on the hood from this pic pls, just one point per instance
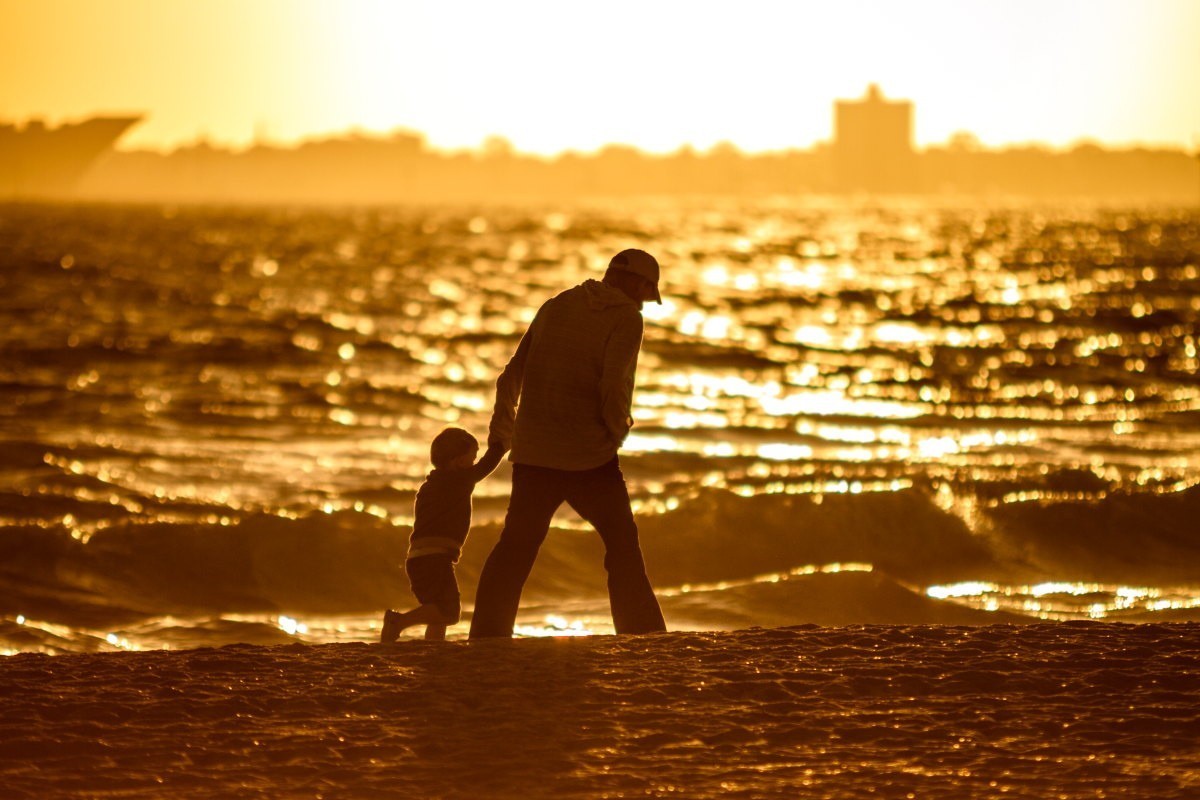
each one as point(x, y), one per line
point(601, 296)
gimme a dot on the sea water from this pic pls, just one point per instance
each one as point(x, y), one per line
point(213, 421)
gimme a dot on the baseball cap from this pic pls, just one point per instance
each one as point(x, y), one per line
point(640, 263)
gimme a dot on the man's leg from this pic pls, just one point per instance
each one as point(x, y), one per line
point(600, 497)
point(536, 495)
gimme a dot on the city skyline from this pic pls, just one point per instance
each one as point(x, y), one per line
point(871, 151)
point(553, 80)
point(497, 143)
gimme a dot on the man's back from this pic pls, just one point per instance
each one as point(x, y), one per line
point(573, 373)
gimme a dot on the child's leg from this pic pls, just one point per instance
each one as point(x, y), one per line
point(394, 623)
point(433, 582)
point(427, 614)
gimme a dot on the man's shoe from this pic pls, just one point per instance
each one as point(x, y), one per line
point(391, 627)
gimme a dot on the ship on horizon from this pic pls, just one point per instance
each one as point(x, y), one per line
point(39, 162)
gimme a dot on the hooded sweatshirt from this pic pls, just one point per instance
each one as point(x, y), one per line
point(564, 399)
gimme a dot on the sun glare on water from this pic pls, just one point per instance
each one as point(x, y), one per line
point(1066, 600)
point(553, 626)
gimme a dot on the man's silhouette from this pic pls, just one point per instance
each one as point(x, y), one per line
point(563, 408)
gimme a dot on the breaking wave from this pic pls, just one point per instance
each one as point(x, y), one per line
point(749, 551)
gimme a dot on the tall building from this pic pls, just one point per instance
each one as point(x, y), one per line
point(872, 146)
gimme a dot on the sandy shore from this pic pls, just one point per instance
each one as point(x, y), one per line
point(1067, 710)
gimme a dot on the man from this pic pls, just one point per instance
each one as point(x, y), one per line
point(573, 375)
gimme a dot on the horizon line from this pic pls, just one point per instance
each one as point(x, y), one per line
point(354, 131)
point(360, 132)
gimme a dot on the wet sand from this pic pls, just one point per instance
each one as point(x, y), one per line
point(1066, 710)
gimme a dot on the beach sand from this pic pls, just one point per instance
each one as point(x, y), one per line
point(1063, 710)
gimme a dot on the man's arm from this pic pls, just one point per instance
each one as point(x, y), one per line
point(616, 381)
point(508, 392)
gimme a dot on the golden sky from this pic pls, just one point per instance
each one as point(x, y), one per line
point(562, 74)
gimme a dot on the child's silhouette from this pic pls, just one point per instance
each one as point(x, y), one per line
point(442, 519)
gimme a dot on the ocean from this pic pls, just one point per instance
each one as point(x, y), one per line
point(213, 421)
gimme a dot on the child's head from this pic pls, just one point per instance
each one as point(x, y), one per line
point(453, 447)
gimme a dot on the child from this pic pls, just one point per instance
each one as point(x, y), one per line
point(441, 520)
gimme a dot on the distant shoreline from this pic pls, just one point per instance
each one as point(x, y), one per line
point(401, 169)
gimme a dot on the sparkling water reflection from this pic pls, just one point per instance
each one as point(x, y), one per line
point(211, 367)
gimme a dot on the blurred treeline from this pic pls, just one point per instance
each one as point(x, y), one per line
point(400, 167)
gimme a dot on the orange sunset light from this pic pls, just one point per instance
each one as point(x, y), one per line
point(557, 76)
